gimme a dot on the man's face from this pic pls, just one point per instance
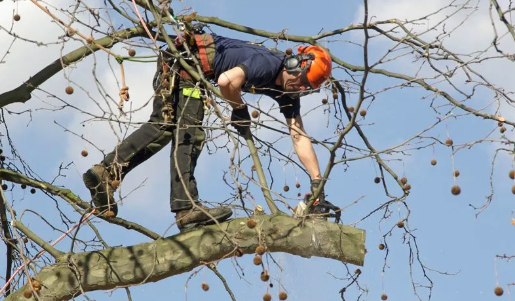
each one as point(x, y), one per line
point(294, 83)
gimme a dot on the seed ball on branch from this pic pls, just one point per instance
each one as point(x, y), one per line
point(267, 297)
point(299, 194)
point(205, 286)
point(89, 40)
point(404, 180)
point(289, 51)
point(255, 114)
point(84, 153)
point(357, 271)
point(109, 214)
point(25, 240)
point(264, 276)
point(455, 190)
point(449, 142)
point(286, 188)
point(16, 17)
point(335, 96)
point(238, 252)
point(500, 123)
point(27, 293)
point(251, 223)
point(283, 296)
point(260, 250)
point(502, 129)
point(4, 187)
point(132, 52)
point(433, 162)
point(2, 158)
point(69, 90)
point(512, 174)
point(297, 185)
point(363, 113)
point(384, 297)
point(513, 189)
point(257, 260)
point(115, 184)
point(33, 190)
point(36, 285)
point(381, 247)
point(324, 101)
point(498, 291)
point(23, 186)
point(351, 109)
point(400, 224)
point(377, 180)
point(406, 187)
point(253, 168)
point(456, 173)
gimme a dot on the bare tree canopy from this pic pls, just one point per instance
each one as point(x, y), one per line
point(413, 132)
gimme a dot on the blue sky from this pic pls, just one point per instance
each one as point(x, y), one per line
point(450, 237)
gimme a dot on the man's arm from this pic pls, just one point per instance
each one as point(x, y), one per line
point(303, 147)
point(230, 83)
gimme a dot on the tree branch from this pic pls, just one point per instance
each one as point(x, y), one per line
point(151, 262)
point(503, 18)
point(22, 93)
point(9, 242)
point(35, 238)
point(71, 198)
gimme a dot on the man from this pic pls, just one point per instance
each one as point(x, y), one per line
point(236, 66)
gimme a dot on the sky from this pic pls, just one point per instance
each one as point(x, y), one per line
point(457, 246)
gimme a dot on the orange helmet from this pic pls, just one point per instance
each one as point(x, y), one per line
point(315, 65)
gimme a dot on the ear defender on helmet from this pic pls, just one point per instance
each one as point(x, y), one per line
point(294, 62)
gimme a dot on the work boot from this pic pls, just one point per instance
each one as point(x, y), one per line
point(194, 217)
point(98, 180)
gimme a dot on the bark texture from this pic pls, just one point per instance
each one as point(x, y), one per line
point(75, 274)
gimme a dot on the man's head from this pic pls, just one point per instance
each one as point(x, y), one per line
point(306, 71)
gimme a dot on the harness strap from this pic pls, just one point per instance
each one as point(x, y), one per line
point(205, 50)
point(205, 44)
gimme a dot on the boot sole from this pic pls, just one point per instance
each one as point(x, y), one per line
point(220, 219)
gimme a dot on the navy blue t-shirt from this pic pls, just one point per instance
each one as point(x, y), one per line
point(261, 66)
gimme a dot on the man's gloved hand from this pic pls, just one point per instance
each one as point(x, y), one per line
point(315, 183)
point(241, 120)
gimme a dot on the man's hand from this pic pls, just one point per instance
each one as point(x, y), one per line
point(241, 120)
point(315, 183)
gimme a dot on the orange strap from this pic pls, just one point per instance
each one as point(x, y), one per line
point(201, 45)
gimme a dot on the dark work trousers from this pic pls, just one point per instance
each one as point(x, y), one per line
point(154, 135)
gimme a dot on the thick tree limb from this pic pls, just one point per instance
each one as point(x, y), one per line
point(151, 262)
